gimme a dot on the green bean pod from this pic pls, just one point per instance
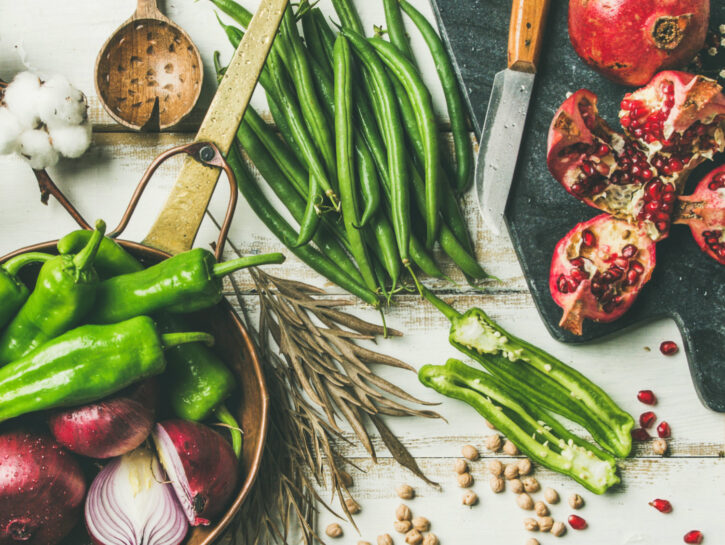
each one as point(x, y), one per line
point(348, 15)
point(369, 185)
point(311, 218)
point(396, 28)
point(425, 262)
point(451, 90)
point(419, 95)
point(345, 160)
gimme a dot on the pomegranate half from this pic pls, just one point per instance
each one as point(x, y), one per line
point(628, 41)
point(598, 269)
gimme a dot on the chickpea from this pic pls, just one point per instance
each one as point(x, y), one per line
point(541, 509)
point(385, 539)
point(470, 452)
point(517, 487)
point(405, 492)
point(460, 466)
point(334, 530)
point(421, 524)
point(524, 466)
point(531, 485)
point(576, 501)
point(431, 539)
point(465, 480)
point(403, 512)
point(364, 543)
point(414, 537)
point(532, 541)
point(525, 502)
point(352, 506)
point(493, 443)
point(469, 498)
point(545, 523)
point(510, 449)
point(531, 525)
point(558, 529)
point(659, 447)
point(551, 496)
point(497, 485)
point(511, 472)
point(496, 467)
point(490, 426)
point(402, 526)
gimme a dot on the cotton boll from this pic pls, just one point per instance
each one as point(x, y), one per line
point(36, 147)
point(61, 103)
point(71, 140)
point(21, 98)
point(10, 130)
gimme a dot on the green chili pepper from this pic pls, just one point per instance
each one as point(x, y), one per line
point(13, 293)
point(64, 293)
point(86, 364)
point(539, 376)
point(532, 430)
point(111, 259)
point(183, 283)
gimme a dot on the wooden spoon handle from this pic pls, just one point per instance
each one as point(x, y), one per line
point(146, 9)
point(179, 221)
point(526, 32)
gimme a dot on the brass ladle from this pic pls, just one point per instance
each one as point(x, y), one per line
point(148, 73)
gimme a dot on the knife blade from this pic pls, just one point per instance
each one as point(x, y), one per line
point(507, 109)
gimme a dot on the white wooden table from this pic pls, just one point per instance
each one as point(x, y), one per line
point(64, 37)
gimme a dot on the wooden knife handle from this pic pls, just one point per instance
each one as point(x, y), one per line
point(528, 18)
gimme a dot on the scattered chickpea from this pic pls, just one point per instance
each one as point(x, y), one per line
point(421, 524)
point(511, 472)
point(497, 484)
point(405, 492)
point(524, 466)
point(558, 529)
point(334, 530)
point(414, 537)
point(364, 543)
point(525, 502)
point(495, 467)
point(346, 478)
point(531, 525)
point(470, 452)
point(510, 449)
point(465, 480)
point(532, 541)
point(493, 443)
point(545, 523)
point(470, 498)
point(551, 496)
point(352, 506)
point(385, 539)
point(460, 466)
point(403, 512)
point(541, 509)
point(659, 447)
point(517, 487)
point(402, 526)
point(490, 426)
point(431, 539)
point(576, 501)
point(531, 485)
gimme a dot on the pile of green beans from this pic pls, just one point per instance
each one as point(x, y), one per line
point(359, 165)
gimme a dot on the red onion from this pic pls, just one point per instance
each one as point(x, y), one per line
point(129, 504)
point(200, 464)
point(41, 489)
point(110, 427)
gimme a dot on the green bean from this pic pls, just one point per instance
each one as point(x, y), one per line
point(396, 160)
point(314, 41)
point(369, 186)
point(425, 262)
point(348, 15)
point(452, 92)
point(311, 219)
point(280, 122)
point(326, 33)
point(344, 151)
point(406, 72)
point(237, 12)
point(396, 28)
point(285, 233)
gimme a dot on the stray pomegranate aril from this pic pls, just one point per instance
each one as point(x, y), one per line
point(693, 536)
point(647, 419)
point(576, 522)
point(663, 506)
point(640, 434)
point(647, 397)
point(668, 348)
point(588, 238)
point(663, 430)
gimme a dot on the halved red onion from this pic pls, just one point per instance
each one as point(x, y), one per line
point(201, 466)
point(130, 503)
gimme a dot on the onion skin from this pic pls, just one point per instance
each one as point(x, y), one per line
point(208, 464)
point(107, 428)
point(41, 489)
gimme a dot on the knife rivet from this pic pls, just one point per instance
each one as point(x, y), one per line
point(206, 153)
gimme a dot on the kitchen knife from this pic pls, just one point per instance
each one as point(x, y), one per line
point(507, 108)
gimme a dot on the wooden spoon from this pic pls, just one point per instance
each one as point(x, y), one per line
point(148, 73)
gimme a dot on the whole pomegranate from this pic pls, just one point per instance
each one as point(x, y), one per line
point(704, 213)
point(629, 41)
point(598, 269)
point(671, 125)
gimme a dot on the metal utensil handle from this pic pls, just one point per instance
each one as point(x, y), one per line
point(526, 33)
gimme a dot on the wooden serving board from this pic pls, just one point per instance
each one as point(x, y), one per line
point(687, 285)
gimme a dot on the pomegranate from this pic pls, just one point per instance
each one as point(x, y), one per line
point(663, 506)
point(693, 536)
point(647, 397)
point(663, 430)
point(704, 213)
point(628, 41)
point(668, 348)
point(647, 419)
point(576, 522)
point(598, 269)
point(672, 125)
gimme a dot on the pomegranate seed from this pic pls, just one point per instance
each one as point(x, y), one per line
point(663, 430)
point(647, 397)
point(625, 121)
point(661, 226)
point(640, 434)
point(588, 238)
point(577, 522)
point(602, 150)
point(676, 165)
point(663, 506)
point(637, 266)
point(669, 347)
point(693, 536)
point(578, 262)
point(647, 419)
point(647, 174)
point(561, 284)
point(629, 251)
point(632, 277)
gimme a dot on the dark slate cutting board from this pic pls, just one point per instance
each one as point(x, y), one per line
point(687, 285)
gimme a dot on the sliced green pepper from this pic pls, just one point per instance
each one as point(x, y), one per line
point(13, 293)
point(533, 431)
point(540, 377)
point(64, 294)
point(86, 364)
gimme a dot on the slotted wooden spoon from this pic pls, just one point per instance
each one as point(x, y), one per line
point(148, 73)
